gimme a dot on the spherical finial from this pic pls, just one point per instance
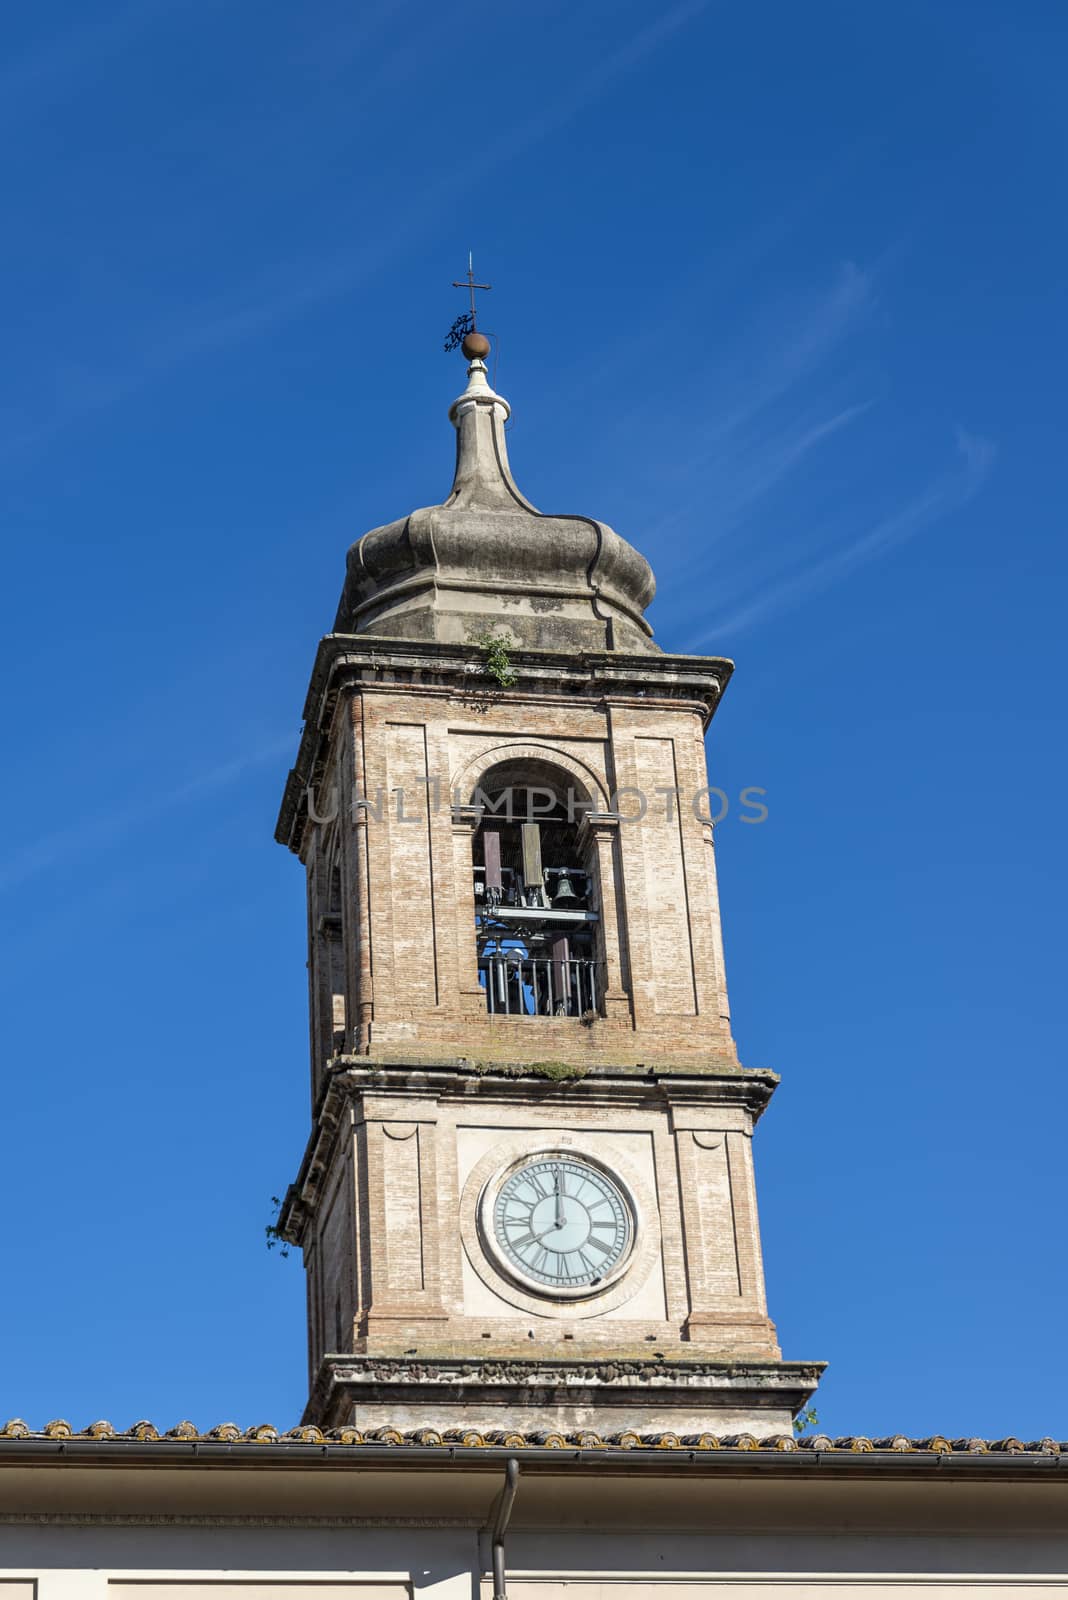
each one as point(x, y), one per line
point(475, 345)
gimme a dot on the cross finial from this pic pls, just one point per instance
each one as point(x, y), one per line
point(470, 285)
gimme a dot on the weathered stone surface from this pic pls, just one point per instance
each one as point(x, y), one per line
point(561, 1396)
point(487, 560)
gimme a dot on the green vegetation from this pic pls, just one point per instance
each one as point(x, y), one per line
point(496, 662)
point(276, 1239)
point(806, 1419)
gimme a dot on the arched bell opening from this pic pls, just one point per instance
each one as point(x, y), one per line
point(326, 964)
point(536, 926)
point(337, 960)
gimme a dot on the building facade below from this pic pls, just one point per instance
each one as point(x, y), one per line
point(230, 1516)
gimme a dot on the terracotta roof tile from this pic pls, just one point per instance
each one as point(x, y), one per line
point(626, 1439)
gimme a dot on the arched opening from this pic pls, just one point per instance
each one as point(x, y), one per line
point(326, 965)
point(335, 924)
point(535, 922)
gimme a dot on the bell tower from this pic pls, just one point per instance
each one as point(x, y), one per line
point(527, 1202)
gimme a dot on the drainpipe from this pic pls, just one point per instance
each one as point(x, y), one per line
point(501, 1517)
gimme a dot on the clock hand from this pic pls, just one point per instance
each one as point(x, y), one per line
point(559, 1201)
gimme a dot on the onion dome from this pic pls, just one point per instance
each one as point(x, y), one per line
point(487, 561)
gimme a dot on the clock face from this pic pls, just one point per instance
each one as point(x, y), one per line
point(562, 1223)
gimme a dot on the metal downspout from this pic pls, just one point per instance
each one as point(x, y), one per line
point(501, 1518)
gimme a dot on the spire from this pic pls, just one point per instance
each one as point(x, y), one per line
point(485, 557)
point(483, 476)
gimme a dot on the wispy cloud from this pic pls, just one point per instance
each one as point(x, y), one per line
point(850, 296)
point(97, 833)
point(947, 493)
point(713, 277)
point(616, 64)
point(759, 470)
point(799, 448)
point(794, 353)
point(738, 452)
point(297, 286)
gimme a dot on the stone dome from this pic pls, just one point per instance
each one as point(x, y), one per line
point(487, 561)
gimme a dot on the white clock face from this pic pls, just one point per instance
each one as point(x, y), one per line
point(562, 1223)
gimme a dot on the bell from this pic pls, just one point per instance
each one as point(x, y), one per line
point(565, 895)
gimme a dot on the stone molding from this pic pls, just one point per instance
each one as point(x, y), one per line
point(563, 1395)
point(468, 778)
point(746, 1090)
point(611, 1372)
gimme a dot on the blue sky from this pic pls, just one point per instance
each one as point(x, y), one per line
point(778, 291)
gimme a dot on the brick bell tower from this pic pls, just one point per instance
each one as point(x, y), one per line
point(527, 1202)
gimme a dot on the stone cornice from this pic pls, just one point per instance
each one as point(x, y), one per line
point(351, 1076)
point(345, 662)
point(555, 1377)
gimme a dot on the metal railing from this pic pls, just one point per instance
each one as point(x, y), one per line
point(538, 986)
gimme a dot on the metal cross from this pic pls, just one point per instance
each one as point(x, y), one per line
point(470, 284)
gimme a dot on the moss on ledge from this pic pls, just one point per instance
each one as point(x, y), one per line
point(391, 1061)
point(555, 1071)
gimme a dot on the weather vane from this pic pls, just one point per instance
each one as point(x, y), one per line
point(464, 331)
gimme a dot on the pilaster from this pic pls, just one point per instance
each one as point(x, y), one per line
point(398, 1140)
point(599, 833)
